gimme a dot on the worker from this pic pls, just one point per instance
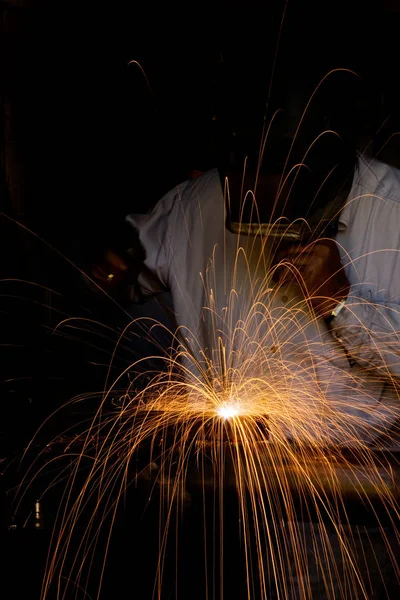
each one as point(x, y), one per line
point(337, 296)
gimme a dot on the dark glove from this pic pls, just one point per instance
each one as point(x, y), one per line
point(111, 270)
point(317, 268)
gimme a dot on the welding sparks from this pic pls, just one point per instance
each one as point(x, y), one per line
point(277, 435)
point(259, 405)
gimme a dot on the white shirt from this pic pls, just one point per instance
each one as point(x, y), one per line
point(236, 326)
point(369, 239)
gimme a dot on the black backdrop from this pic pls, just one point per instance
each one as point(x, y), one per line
point(96, 141)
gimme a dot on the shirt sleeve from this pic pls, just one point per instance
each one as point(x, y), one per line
point(152, 229)
point(368, 326)
point(370, 334)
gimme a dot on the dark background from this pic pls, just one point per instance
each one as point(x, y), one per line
point(93, 140)
point(86, 138)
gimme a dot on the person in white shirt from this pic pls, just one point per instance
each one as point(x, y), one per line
point(224, 297)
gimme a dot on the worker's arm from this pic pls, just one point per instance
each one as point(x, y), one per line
point(369, 332)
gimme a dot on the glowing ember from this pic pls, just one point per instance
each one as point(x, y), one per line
point(228, 411)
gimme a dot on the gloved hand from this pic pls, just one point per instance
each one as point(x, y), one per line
point(317, 268)
point(111, 270)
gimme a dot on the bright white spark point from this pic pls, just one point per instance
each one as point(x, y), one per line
point(227, 411)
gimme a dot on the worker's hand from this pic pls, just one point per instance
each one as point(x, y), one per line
point(111, 269)
point(317, 268)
